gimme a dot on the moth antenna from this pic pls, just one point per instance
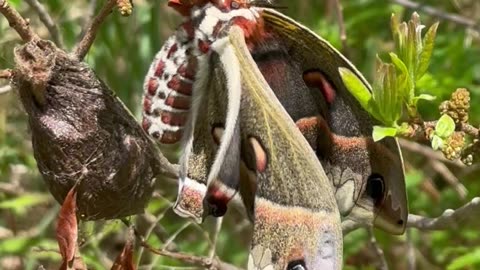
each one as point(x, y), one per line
point(266, 4)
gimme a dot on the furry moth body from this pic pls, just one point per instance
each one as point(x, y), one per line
point(176, 77)
point(229, 148)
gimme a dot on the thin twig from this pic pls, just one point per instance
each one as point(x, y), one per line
point(153, 226)
point(17, 22)
point(470, 130)
point(89, 16)
point(349, 226)
point(418, 132)
point(380, 255)
point(429, 187)
point(450, 219)
point(440, 14)
point(341, 26)
point(47, 20)
point(216, 233)
point(411, 256)
point(449, 177)
point(186, 258)
point(175, 234)
point(427, 152)
point(87, 40)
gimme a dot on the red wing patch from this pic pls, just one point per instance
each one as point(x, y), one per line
point(316, 79)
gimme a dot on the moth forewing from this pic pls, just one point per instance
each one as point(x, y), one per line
point(211, 161)
point(296, 218)
point(351, 126)
point(227, 158)
point(206, 161)
point(192, 189)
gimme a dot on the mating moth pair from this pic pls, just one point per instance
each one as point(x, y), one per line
point(261, 113)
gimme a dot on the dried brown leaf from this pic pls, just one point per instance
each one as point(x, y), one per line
point(67, 228)
point(124, 261)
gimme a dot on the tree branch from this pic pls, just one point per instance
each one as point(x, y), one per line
point(87, 40)
point(17, 22)
point(47, 20)
point(90, 15)
point(450, 219)
point(381, 261)
point(449, 177)
point(427, 152)
point(341, 25)
point(349, 226)
point(418, 132)
point(216, 233)
point(440, 14)
point(411, 256)
point(206, 263)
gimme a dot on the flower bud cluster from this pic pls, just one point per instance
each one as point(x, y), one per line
point(458, 106)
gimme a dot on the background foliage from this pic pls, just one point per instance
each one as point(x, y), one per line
point(121, 56)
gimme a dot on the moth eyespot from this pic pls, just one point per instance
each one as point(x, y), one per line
point(375, 187)
point(260, 154)
point(297, 265)
point(217, 207)
point(316, 79)
point(218, 210)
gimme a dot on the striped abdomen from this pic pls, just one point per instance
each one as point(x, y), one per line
point(170, 79)
point(168, 88)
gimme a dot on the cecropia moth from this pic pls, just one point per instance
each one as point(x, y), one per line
point(239, 84)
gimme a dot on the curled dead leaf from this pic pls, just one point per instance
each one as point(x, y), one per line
point(67, 227)
point(124, 260)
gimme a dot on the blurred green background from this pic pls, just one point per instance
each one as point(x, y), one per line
point(121, 56)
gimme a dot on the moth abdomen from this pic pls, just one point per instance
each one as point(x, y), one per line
point(168, 89)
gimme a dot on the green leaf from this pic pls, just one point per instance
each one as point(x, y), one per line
point(437, 142)
point(391, 104)
point(445, 127)
point(357, 88)
point(394, 27)
point(17, 245)
point(466, 261)
point(20, 204)
point(411, 46)
point(402, 44)
point(407, 89)
point(380, 132)
point(428, 44)
point(385, 103)
point(425, 97)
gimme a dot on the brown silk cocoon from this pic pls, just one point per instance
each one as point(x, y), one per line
point(81, 132)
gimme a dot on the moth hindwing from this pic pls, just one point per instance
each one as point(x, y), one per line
point(296, 219)
point(367, 176)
